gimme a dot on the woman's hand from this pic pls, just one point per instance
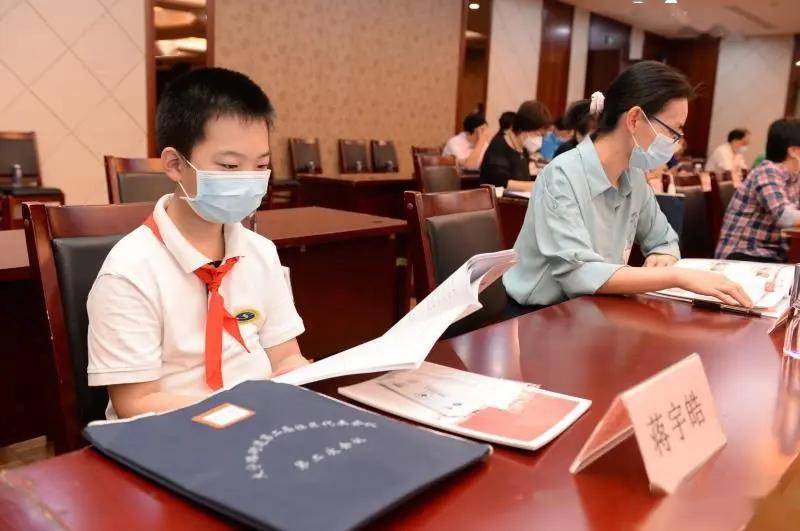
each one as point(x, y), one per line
point(713, 284)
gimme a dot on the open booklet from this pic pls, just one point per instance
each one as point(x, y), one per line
point(501, 411)
point(767, 285)
point(408, 342)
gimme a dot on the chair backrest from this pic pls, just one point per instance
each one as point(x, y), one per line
point(672, 206)
point(137, 180)
point(439, 179)
point(353, 156)
point(687, 180)
point(447, 229)
point(420, 150)
point(19, 148)
point(695, 236)
point(67, 246)
point(717, 202)
point(305, 155)
point(384, 156)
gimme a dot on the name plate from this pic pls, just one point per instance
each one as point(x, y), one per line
point(673, 417)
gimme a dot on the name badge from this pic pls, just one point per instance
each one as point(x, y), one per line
point(673, 417)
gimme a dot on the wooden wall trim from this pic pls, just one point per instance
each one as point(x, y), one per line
point(794, 79)
point(554, 56)
point(462, 50)
point(210, 33)
point(150, 75)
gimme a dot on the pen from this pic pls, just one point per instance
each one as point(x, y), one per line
point(718, 306)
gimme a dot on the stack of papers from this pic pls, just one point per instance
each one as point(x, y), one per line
point(767, 285)
point(501, 411)
point(407, 343)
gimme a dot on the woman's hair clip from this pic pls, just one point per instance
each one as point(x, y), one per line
point(598, 101)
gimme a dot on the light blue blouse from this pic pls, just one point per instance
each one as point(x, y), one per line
point(579, 229)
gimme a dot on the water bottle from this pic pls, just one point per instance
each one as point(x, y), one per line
point(358, 165)
point(791, 343)
point(311, 166)
point(389, 165)
point(16, 172)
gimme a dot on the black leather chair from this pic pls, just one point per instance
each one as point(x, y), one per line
point(67, 247)
point(673, 207)
point(440, 179)
point(384, 156)
point(305, 155)
point(695, 236)
point(143, 187)
point(463, 224)
point(353, 156)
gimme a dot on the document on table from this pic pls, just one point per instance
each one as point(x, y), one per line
point(767, 285)
point(408, 342)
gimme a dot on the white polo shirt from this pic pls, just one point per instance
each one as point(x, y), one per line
point(147, 310)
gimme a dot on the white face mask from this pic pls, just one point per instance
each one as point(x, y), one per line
point(227, 196)
point(741, 150)
point(532, 144)
point(660, 151)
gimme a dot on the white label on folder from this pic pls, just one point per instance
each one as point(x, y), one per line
point(223, 416)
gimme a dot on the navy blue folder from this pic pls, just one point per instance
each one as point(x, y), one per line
point(302, 461)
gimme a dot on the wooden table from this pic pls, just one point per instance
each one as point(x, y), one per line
point(24, 347)
point(380, 194)
point(590, 347)
point(347, 269)
point(793, 235)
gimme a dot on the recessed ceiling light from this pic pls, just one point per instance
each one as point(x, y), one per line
point(474, 5)
point(797, 63)
point(638, 1)
point(670, 1)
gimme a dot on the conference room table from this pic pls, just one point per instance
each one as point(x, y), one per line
point(380, 194)
point(591, 347)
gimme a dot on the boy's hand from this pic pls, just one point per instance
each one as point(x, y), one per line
point(289, 364)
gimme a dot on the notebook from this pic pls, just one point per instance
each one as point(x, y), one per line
point(276, 456)
point(767, 285)
point(501, 411)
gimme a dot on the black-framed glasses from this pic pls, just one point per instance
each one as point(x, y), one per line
point(676, 135)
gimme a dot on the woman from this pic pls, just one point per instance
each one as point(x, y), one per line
point(506, 161)
point(592, 203)
point(581, 117)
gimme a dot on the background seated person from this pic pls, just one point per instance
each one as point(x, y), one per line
point(766, 202)
point(469, 145)
point(506, 162)
point(730, 155)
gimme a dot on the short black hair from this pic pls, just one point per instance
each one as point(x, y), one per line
point(473, 121)
point(737, 134)
point(561, 124)
point(579, 118)
point(194, 98)
point(782, 135)
point(507, 120)
point(531, 115)
point(646, 84)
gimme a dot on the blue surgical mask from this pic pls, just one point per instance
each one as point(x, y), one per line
point(659, 153)
point(227, 196)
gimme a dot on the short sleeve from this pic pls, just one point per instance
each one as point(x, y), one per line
point(564, 240)
point(771, 194)
point(281, 322)
point(124, 336)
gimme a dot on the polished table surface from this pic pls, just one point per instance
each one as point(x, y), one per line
point(593, 347)
point(308, 225)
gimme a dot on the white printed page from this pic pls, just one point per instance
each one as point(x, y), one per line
point(767, 285)
point(410, 340)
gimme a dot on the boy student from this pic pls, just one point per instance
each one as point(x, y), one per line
point(191, 301)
